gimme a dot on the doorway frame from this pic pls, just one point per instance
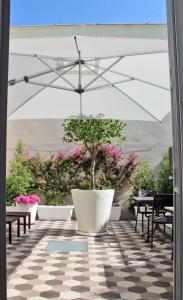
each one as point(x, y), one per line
point(4, 49)
point(175, 41)
point(175, 37)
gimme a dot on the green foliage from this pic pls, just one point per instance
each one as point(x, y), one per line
point(54, 177)
point(165, 177)
point(92, 133)
point(20, 180)
point(143, 179)
point(46, 179)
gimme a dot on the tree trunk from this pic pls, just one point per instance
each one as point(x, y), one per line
point(93, 164)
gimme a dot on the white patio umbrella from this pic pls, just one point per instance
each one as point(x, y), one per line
point(58, 77)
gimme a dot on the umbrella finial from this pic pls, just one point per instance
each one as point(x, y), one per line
point(76, 43)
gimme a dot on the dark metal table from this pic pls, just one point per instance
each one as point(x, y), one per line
point(142, 201)
point(23, 215)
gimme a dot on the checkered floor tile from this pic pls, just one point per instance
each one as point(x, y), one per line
point(119, 265)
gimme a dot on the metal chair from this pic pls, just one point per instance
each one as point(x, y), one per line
point(158, 216)
point(143, 210)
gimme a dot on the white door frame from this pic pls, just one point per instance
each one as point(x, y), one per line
point(175, 38)
point(175, 33)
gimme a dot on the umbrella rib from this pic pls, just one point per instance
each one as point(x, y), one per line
point(14, 81)
point(51, 86)
point(44, 56)
point(108, 85)
point(103, 72)
point(29, 98)
point(125, 55)
point(43, 88)
point(133, 100)
point(130, 98)
point(55, 71)
point(134, 78)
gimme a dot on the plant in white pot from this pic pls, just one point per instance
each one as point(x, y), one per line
point(92, 203)
point(28, 203)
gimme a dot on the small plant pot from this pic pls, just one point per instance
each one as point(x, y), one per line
point(115, 213)
point(28, 207)
point(55, 213)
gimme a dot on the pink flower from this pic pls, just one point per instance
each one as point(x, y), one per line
point(62, 154)
point(78, 154)
point(28, 199)
point(112, 151)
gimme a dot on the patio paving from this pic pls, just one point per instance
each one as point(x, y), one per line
point(119, 265)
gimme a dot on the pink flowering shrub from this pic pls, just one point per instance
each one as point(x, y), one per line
point(28, 199)
point(56, 176)
point(113, 167)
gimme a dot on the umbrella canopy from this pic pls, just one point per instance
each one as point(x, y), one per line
point(51, 76)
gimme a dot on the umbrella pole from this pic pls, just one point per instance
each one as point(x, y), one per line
point(81, 109)
point(80, 89)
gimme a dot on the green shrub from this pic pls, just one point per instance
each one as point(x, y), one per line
point(20, 180)
point(143, 179)
point(165, 177)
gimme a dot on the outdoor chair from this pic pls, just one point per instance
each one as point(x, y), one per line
point(158, 215)
point(143, 210)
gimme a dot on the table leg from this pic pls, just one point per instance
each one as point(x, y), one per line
point(18, 227)
point(29, 226)
point(137, 217)
point(24, 217)
point(10, 233)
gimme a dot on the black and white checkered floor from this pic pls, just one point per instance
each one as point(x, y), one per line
point(119, 265)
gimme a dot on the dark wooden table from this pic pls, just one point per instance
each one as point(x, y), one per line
point(9, 222)
point(23, 215)
point(143, 200)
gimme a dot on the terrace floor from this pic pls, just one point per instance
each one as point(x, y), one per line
point(119, 265)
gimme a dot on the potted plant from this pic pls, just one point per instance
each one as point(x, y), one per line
point(164, 181)
point(20, 180)
point(55, 208)
point(143, 180)
point(52, 183)
point(27, 203)
point(92, 203)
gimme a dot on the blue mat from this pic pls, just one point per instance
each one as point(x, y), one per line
point(67, 246)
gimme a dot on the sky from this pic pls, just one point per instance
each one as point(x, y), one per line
point(42, 12)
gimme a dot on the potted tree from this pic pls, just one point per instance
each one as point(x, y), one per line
point(92, 204)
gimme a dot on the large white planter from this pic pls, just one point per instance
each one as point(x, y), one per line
point(55, 213)
point(115, 213)
point(24, 207)
point(92, 208)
